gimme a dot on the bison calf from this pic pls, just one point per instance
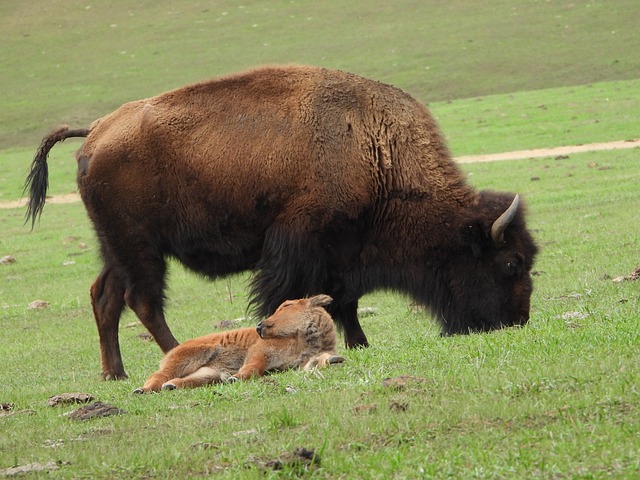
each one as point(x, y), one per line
point(300, 334)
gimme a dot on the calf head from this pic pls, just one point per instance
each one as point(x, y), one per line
point(293, 317)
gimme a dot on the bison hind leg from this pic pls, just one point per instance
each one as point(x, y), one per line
point(107, 299)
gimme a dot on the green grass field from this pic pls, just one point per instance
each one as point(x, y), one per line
point(557, 399)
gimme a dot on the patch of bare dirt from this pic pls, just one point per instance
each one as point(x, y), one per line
point(65, 198)
point(635, 275)
point(96, 410)
point(403, 381)
point(20, 470)
point(549, 152)
point(298, 461)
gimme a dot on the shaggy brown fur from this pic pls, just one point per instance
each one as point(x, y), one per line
point(300, 334)
point(317, 180)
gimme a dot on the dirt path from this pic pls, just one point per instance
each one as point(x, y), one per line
point(493, 157)
point(550, 152)
point(66, 198)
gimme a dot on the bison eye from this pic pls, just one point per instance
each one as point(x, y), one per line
point(513, 268)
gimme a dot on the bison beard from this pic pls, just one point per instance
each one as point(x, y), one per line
point(317, 180)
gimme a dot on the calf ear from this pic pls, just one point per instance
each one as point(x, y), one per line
point(320, 300)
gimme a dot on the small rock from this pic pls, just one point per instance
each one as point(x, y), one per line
point(574, 316)
point(38, 304)
point(242, 433)
point(301, 458)
point(572, 325)
point(204, 446)
point(146, 337)
point(228, 324)
point(365, 408)
point(54, 443)
point(69, 398)
point(367, 311)
point(399, 406)
point(635, 275)
point(29, 468)
point(7, 260)
point(402, 382)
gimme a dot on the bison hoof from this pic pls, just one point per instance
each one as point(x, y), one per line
point(139, 390)
point(114, 376)
point(335, 359)
point(231, 379)
point(168, 386)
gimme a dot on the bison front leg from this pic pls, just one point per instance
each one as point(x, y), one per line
point(107, 299)
point(346, 316)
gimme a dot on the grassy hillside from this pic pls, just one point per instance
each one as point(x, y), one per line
point(556, 399)
point(72, 61)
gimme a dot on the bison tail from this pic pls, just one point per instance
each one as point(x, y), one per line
point(37, 181)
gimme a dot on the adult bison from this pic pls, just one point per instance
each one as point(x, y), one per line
point(319, 181)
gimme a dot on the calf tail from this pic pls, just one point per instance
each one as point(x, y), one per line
point(37, 181)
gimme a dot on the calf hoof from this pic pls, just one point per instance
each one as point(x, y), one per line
point(139, 390)
point(335, 359)
point(169, 386)
point(231, 379)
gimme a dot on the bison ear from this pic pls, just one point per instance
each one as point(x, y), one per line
point(476, 236)
point(320, 300)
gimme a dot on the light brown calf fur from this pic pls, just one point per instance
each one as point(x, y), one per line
point(300, 334)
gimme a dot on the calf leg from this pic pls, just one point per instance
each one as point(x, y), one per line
point(107, 299)
point(154, 383)
point(323, 359)
point(181, 362)
point(203, 376)
point(254, 366)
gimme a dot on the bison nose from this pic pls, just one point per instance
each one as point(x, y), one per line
point(259, 329)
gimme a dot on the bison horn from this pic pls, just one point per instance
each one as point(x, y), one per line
point(503, 221)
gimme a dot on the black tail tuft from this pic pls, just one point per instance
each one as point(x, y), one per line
point(37, 181)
